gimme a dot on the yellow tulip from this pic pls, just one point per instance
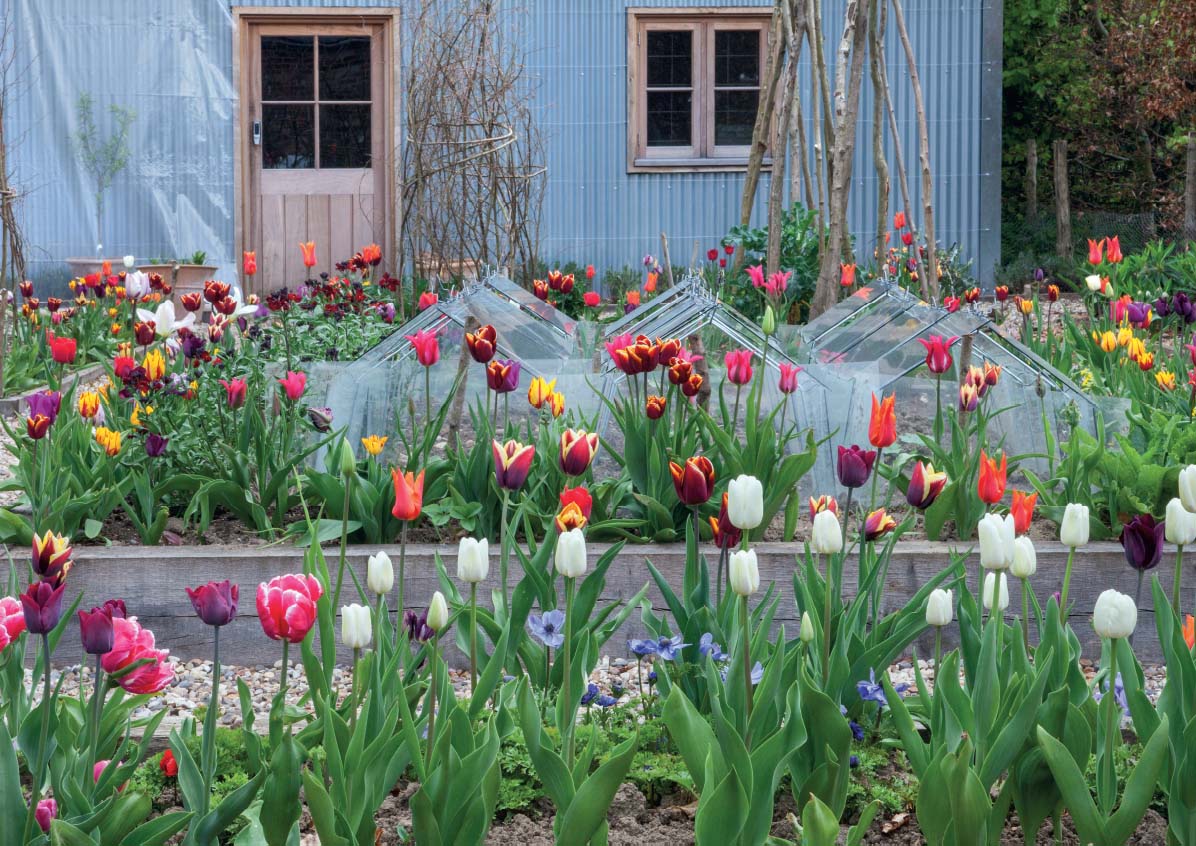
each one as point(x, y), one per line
point(374, 444)
point(540, 391)
point(154, 364)
point(1165, 379)
point(109, 440)
point(557, 404)
point(89, 404)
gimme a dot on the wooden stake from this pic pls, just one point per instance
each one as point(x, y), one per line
point(1062, 200)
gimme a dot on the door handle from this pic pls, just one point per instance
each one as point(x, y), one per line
point(257, 133)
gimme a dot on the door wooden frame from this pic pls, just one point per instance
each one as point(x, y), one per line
point(245, 178)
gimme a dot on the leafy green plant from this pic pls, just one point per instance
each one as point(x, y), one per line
point(799, 254)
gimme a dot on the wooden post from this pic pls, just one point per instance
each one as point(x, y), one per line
point(876, 40)
point(1062, 201)
point(1031, 180)
point(1190, 193)
point(668, 263)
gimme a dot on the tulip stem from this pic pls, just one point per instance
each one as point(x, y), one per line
point(1071, 553)
point(96, 698)
point(1111, 717)
point(43, 739)
point(402, 588)
point(722, 563)
point(505, 552)
point(1137, 600)
point(567, 730)
point(1026, 615)
point(995, 608)
point(473, 637)
point(428, 396)
point(826, 624)
point(1179, 571)
point(735, 413)
point(880, 452)
point(747, 663)
point(432, 704)
point(353, 690)
point(340, 572)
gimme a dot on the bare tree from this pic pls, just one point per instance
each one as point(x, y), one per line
point(473, 153)
point(12, 245)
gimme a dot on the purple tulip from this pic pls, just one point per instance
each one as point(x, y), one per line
point(46, 403)
point(192, 345)
point(1142, 540)
point(855, 466)
point(95, 629)
point(42, 604)
point(116, 608)
point(216, 602)
point(1137, 313)
point(155, 444)
point(1162, 306)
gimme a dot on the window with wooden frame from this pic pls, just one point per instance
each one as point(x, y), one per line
point(693, 86)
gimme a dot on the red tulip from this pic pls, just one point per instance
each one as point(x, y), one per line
point(512, 463)
point(899, 220)
point(882, 428)
point(589, 271)
point(580, 497)
point(294, 384)
point(308, 249)
point(216, 602)
point(693, 482)
point(95, 630)
point(427, 347)
point(739, 366)
point(823, 503)
point(62, 350)
point(122, 366)
point(249, 262)
point(951, 304)
point(577, 451)
point(877, 524)
point(409, 494)
point(1002, 293)
point(143, 333)
point(991, 483)
point(192, 301)
point(846, 275)
point(726, 535)
point(214, 291)
point(132, 644)
point(1113, 249)
point(427, 299)
point(540, 289)
point(692, 385)
point(925, 485)
point(907, 238)
point(655, 406)
point(26, 288)
point(37, 426)
point(1022, 510)
point(591, 299)
point(938, 352)
point(482, 343)
point(286, 606)
point(679, 369)
point(236, 390)
point(1096, 251)
point(711, 254)
point(633, 356)
point(168, 765)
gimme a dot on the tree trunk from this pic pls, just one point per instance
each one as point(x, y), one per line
point(923, 152)
point(876, 35)
point(847, 105)
point(1062, 201)
point(776, 181)
point(760, 131)
point(1190, 193)
point(1031, 180)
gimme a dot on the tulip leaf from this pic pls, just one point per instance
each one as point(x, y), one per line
point(723, 809)
point(12, 802)
point(587, 812)
point(820, 826)
point(933, 805)
point(693, 736)
point(1073, 787)
point(1140, 787)
point(62, 833)
point(207, 830)
point(158, 830)
point(280, 795)
point(323, 813)
point(1014, 732)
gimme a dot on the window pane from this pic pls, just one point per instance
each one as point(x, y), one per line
point(344, 67)
point(288, 136)
point(737, 57)
point(669, 118)
point(734, 117)
point(670, 58)
point(288, 67)
point(345, 136)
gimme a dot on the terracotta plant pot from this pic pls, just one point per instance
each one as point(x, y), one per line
point(190, 277)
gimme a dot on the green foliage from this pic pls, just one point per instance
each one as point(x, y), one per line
point(799, 254)
point(882, 776)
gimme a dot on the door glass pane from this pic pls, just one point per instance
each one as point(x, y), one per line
point(344, 67)
point(737, 57)
point(288, 67)
point(288, 135)
point(734, 117)
point(669, 118)
point(670, 58)
point(344, 135)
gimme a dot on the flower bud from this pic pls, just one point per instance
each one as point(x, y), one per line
point(1187, 487)
point(356, 626)
point(348, 461)
point(744, 572)
point(130, 262)
point(1073, 531)
point(380, 573)
point(571, 554)
point(1114, 615)
point(745, 502)
point(769, 323)
point(939, 608)
point(827, 536)
point(996, 541)
point(807, 628)
point(1025, 559)
point(1180, 523)
point(473, 560)
point(986, 595)
point(437, 612)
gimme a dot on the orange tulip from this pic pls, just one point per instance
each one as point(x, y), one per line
point(570, 517)
point(1190, 631)
point(899, 220)
point(1113, 249)
point(1096, 251)
point(882, 429)
point(846, 275)
point(409, 494)
point(308, 248)
point(991, 485)
point(249, 262)
point(1023, 511)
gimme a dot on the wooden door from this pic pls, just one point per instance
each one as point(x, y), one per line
point(315, 132)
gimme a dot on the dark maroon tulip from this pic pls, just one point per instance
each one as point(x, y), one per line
point(42, 604)
point(155, 444)
point(215, 602)
point(855, 465)
point(116, 608)
point(95, 629)
point(1142, 540)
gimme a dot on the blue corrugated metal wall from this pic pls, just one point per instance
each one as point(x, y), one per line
point(172, 63)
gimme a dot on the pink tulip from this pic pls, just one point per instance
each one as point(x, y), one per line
point(286, 606)
point(427, 347)
point(739, 366)
point(132, 643)
point(756, 274)
point(293, 385)
point(788, 383)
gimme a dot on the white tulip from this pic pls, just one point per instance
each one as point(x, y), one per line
point(163, 318)
point(827, 536)
point(1187, 487)
point(939, 608)
point(380, 573)
point(807, 628)
point(1025, 560)
point(1093, 282)
point(356, 626)
point(745, 502)
point(438, 613)
point(571, 554)
point(1073, 531)
point(130, 262)
point(1114, 615)
point(996, 541)
point(1180, 524)
point(137, 285)
point(744, 572)
point(473, 560)
point(986, 594)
